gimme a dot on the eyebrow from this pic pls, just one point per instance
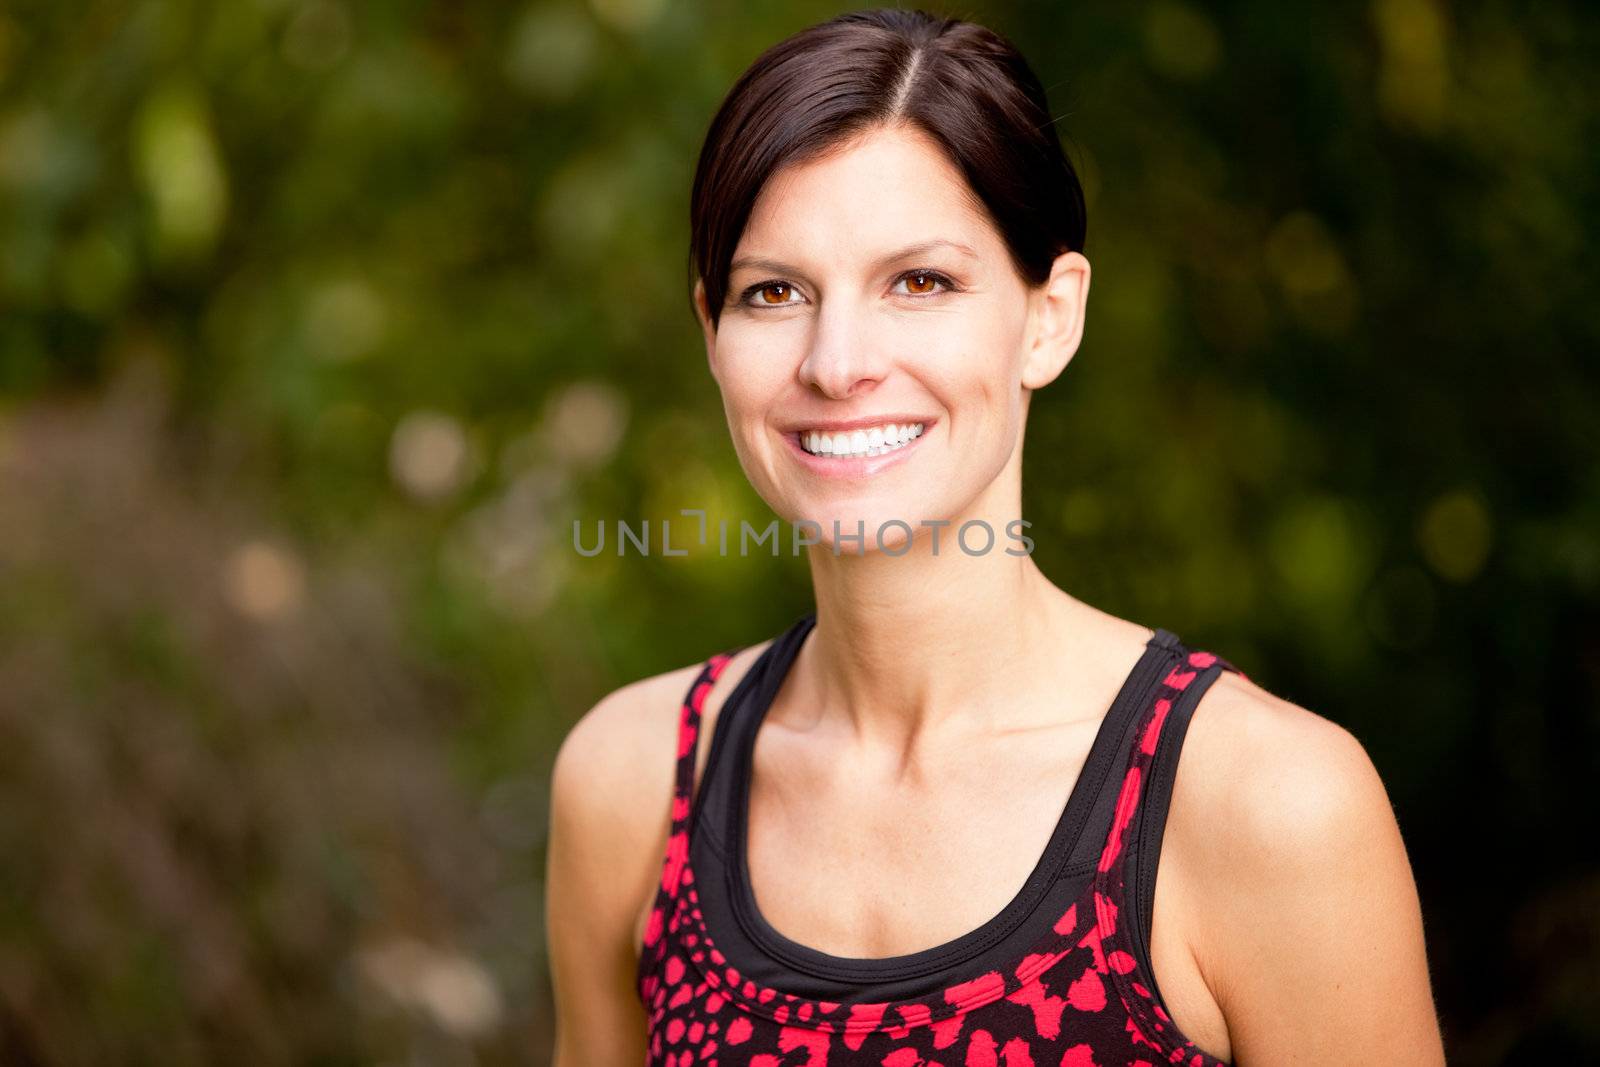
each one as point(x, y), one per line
point(921, 248)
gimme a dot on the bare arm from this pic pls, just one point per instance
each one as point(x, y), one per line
point(609, 813)
point(1317, 955)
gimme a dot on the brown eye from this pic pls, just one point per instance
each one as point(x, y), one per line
point(770, 294)
point(924, 283)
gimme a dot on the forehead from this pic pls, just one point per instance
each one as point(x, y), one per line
point(884, 188)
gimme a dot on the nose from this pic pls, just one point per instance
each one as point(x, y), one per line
point(842, 359)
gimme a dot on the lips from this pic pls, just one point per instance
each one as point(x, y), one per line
point(876, 441)
point(854, 466)
point(865, 422)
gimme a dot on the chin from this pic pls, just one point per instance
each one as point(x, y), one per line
point(868, 521)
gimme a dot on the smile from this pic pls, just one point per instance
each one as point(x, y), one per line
point(870, 441)
point(858, 452)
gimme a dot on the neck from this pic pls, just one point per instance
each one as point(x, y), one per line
point(922, 646)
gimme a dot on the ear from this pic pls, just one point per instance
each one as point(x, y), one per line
point(702, 310)
point(1056, 317)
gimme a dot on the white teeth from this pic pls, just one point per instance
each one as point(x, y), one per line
point(873, 442)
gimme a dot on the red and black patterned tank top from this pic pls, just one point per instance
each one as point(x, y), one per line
point(1060, 977)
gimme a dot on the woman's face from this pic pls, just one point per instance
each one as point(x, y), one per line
point(869, 289)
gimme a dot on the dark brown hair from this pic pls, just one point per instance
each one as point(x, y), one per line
point(964, 85)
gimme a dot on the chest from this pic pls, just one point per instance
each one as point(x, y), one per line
point(847, 864)
point(853, 866)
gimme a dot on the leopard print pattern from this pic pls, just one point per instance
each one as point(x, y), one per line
point(1079, 998)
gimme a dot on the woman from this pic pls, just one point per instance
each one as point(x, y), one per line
point(921, 826)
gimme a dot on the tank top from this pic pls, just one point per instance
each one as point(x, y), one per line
point(1060, 976)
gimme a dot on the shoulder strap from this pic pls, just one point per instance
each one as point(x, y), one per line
point(1124, 884)
point(689, 733)
point(1150, 822)
point(673, 870)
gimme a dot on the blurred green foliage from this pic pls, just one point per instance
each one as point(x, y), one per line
point(320, 322)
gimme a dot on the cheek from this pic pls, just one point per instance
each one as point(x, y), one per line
point(750, 374)
point(975, 364)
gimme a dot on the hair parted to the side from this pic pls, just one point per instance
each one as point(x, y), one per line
point(962, 84)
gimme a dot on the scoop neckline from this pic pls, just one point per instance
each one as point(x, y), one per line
point(1047, 869)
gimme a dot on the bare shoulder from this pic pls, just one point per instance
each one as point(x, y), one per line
point(610, 813)
point(620, 749)
point(1268, 774)
point(614, 769)
point(611, 786)
point(1301, 910)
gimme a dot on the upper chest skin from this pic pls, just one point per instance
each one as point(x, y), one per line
point(857, 869)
